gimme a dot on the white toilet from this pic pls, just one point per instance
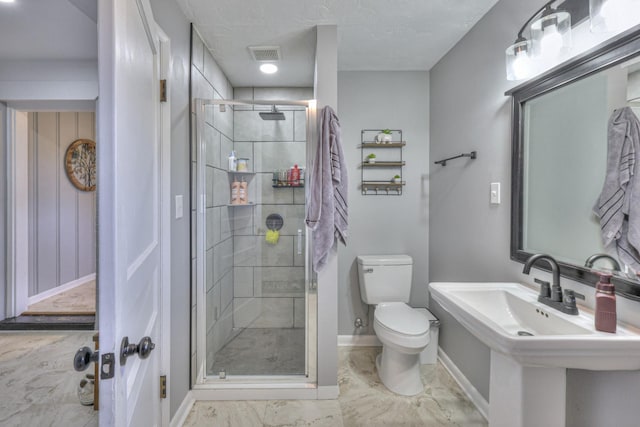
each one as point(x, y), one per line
point(385, 280)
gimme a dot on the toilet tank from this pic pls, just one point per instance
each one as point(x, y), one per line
point(384, 278)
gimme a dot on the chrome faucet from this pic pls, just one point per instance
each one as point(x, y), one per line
point(593, 258)
point(552, 296)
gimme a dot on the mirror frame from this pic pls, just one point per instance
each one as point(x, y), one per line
point(611, 52)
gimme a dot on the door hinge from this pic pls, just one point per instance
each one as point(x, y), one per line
point(163, 386)
point(163, 90)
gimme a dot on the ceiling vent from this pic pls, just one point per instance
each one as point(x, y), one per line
point(265, 53)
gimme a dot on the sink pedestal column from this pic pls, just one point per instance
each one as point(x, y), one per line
point(524, 396)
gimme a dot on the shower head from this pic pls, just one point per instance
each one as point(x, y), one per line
point(274, 114)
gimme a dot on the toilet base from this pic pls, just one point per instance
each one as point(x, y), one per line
point(399, 372)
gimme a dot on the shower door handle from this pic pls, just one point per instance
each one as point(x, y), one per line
point(299, 242)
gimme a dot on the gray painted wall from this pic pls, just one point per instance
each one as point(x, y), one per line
point(384, 224)
point(173, 22)
point(62, 219)
point(326, 93)
point(3, 208)
point(469, 238)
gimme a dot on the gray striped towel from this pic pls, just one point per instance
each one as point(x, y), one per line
point(618, 206)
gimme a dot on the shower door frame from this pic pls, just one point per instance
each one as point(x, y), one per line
point(247, 387)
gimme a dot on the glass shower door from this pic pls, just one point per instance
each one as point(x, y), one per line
point(252, 239)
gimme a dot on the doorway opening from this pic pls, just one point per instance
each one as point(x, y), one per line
point(51, 251)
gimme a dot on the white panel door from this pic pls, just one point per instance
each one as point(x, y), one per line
point(130, 271)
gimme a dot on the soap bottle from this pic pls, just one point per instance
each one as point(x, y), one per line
point(243, 197)
point(233, 162)
point(235, 191)
point(605, 304)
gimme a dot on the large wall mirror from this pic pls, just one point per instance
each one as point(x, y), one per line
point(559, 158)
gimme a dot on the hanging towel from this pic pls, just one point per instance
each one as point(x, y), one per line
point(618, 206)
point(327, 213)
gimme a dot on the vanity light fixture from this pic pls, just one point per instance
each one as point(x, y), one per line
point(549, 40)
point(268, 68)
point(613, 15)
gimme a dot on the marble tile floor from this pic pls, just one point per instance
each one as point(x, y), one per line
point(262, 351)
point(363, 401)
point(37, 380)
point(79, 300)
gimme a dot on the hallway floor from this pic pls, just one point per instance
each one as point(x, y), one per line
point(37, 380)
point(363, 401)
point(76, 301)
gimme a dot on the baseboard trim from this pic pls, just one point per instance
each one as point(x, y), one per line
point(358, 341)
point(183, 411)
point(62, 288)
point(472, 393)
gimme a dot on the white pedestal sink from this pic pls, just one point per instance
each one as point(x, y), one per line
point(532, 345)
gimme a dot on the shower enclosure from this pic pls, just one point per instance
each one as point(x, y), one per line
point(255, 309)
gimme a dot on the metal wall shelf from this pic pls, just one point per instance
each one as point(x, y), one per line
point(382, 164)
point(371, 186)
point(383, 144)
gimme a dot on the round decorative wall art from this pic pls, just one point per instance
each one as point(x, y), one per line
point(80, 163)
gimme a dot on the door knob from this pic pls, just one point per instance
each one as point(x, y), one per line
point(143, 348)
point(83, 358)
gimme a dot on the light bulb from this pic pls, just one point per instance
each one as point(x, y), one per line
point(521, 66)
point(551, 42)
point(268, 68)
point(620, 14)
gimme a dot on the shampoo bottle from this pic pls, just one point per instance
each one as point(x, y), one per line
point(605, 304)
point(235, 191)
point(242, 193)
point(295, 176)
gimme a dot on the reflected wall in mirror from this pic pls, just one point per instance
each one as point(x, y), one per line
point(560, 157)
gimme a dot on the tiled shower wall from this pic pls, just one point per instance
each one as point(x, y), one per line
point(269, 279)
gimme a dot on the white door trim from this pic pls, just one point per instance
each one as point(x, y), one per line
point(17, 289)
point(165, 227)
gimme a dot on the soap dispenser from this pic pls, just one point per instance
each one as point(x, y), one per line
point(605, 316)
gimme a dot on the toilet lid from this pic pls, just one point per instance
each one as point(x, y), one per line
point(401, 318)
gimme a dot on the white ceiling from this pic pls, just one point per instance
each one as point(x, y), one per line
point(48, 29)
point(372, 34)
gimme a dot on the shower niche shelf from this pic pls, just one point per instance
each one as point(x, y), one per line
point(377, 177)
point(245, 173)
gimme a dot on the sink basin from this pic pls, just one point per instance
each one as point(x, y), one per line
point(508, 318)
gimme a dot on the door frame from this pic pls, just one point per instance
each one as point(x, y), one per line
point(165, 227)
point(17, 226)
point(105, 119)
point(17, 220)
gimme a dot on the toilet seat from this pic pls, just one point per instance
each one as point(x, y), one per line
point(398, 317)
point(402, 327)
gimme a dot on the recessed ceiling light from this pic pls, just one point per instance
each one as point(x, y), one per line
point(7, 1)
point(269, 68)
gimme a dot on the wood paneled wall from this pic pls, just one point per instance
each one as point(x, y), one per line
point(62, 219)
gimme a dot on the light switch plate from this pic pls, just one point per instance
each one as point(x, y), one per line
point(495, 193)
